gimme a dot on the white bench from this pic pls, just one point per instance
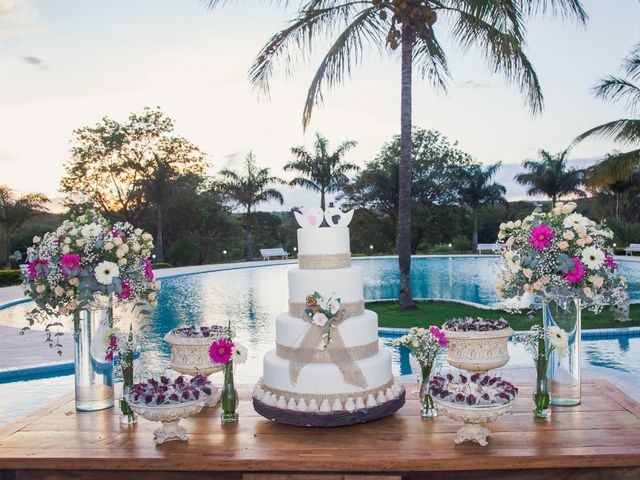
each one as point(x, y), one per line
point(267, 253)
point(490, 247)
point(633, 247)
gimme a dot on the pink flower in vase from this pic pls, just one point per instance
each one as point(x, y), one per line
point(576, 274)
point(111, 348)
point(69, 262)
point(148, 271)
point(126, 290)
point(35, 272)
point(221, 350)
point(442, 339)
point(540, 236)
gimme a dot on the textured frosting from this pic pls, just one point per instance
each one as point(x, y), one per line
point(359, 330)
point(346, 283)
point(314, 241)
point(323, 378)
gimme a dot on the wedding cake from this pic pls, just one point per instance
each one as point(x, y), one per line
point(327, 368)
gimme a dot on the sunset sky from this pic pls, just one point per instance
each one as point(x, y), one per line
point(65, 64)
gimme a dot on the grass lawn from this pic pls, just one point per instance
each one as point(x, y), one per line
point(436, 313)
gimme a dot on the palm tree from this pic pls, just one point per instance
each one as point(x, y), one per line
point(249, 188)
point(322, 171)
point(626, 131)
point(497, 28)
point(551, 177)
point(477, 191)
point(15, 211)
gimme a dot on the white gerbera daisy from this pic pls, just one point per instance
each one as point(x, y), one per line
point(240, 353)
point(105, 271)
point(558, 338)
point(91, 230)
point(574, 220)
point(593, 257)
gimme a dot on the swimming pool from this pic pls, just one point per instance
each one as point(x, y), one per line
point(250, 298)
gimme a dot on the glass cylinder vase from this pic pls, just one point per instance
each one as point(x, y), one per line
point(541, 397)
point(93, 373)
point(427, 408)
point(563, 370)
point(229, 396)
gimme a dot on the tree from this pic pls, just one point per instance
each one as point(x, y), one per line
point(478, 191)
point(113, 165)
point(437, 164)
point(15, 211)
point(321, 171)
point(551, 177)
point(625, 131)
point(496, 28)
point(248, 189)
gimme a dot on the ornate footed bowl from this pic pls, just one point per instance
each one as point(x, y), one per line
point(478, 352)
point(170, 416)
point(473, 417)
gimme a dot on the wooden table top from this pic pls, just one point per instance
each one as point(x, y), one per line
point(604, 431)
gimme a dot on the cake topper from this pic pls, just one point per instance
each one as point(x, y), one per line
point(309, 217)
point(336, 217)
point(312, 217)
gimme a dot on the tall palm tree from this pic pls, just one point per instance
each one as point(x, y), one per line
point(15, 211)
point(626, 131)
point(551, 177)
point(477, 191)
point(497, 28)
point(322, 171)
point(248, 189)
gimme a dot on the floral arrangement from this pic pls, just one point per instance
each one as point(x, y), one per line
point(560, 254)
point(84, 258)
point(424, 344)
point(479, 324)
point(165, 391)
point(224, 350)
point(324, 312)
point(475, 390)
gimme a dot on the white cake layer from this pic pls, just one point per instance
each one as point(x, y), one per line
point(345, 283)
point(325, 378)
point(358, 330)
point(326, 240)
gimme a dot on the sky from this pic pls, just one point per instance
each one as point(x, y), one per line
point(65, 64)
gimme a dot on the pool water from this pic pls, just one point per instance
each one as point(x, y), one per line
point(250, 298)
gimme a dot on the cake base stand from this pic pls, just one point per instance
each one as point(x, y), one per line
point(332, 419)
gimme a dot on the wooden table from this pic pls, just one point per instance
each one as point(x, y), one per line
point(598, 439)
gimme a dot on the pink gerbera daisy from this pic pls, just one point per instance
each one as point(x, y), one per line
point(69, 262)
point(610, 262)
point(576, 274)
point(37, 268)
point(442, 339)
point(540, 236)
point(221, 350)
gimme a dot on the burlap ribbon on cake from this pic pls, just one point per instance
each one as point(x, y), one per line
point(337, 352)
point(324, 261)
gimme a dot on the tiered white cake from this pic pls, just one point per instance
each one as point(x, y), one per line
point(350, 374)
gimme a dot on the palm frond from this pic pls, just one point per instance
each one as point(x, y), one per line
point(624, 131)
point(632, 63)
point(432, 61)
point(614, 168)
point(618, 89)
point(566, 8)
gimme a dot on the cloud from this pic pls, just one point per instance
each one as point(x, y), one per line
point(17, 17)
point(36, 62)
point(472, 84)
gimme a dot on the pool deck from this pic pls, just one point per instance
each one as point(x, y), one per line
point(595, 440)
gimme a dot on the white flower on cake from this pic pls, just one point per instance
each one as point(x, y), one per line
point(91, 230)
point(319, 319)
point(593, 257)
point(105, 271)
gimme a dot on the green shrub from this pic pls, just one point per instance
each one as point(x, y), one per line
point(441, 248)
point(9, 277)
point(460, 243)
point(161, 265)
